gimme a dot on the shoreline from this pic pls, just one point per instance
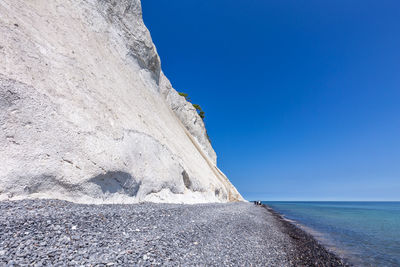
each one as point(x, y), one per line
point(308, 250)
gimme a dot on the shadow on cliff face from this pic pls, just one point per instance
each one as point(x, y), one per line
point(186, 180)
point(117, 182)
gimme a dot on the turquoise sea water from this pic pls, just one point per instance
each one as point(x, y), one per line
point(365, 233)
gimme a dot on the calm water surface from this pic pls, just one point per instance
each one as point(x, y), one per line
point(366, 233)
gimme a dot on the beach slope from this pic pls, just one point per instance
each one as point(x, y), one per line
point(54, 232)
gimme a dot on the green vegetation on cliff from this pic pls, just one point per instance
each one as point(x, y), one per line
point(196, 106)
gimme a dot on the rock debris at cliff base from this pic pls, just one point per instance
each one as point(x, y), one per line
point(59, 233)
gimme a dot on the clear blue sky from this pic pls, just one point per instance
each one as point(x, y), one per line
point(302, 98)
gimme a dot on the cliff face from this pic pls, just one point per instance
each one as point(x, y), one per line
point(87, 115)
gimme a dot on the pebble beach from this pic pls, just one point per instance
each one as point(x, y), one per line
point(60, 233)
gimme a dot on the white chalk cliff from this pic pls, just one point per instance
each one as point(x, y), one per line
point(87, 115)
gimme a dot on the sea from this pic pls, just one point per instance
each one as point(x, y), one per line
point(363, 233)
